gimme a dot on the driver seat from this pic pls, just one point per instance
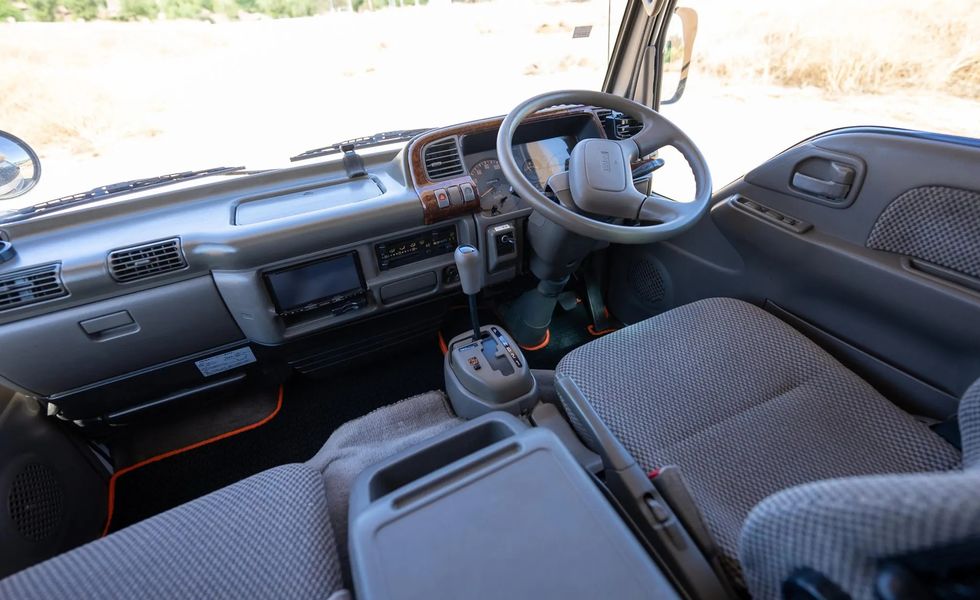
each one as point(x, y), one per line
point(793, 461)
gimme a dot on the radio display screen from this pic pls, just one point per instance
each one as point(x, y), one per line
point(392, 254)
point(316, 283)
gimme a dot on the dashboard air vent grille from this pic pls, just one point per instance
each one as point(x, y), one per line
point(22, 288)
point(622, 126)
point(625, 127)
point(442, 160)
point(146, 260)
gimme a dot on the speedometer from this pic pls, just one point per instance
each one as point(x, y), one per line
point(491, 185)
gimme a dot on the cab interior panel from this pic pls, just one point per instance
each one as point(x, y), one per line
point(500, 356)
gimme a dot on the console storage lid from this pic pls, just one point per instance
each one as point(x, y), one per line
point(492, 509)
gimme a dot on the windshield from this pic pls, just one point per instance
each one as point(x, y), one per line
point(145, 87)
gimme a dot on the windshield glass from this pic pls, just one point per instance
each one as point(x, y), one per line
point(117, 90)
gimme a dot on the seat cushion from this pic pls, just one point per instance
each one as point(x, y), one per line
point(746, 406)
point(267, 536)
point(843, 527)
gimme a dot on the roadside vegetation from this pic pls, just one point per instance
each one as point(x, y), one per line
point(151, 86)
point(841, 46)
point(206, 10)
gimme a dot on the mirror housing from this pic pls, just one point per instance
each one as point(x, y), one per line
point(689, 22)
point(20, 168)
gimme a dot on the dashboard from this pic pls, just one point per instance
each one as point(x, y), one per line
point(188, 288)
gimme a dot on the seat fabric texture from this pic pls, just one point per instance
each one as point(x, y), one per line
point(267, 536)
point(747, 407)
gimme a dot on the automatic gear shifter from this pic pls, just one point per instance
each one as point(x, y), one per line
point(485, 369)
point(470, 270)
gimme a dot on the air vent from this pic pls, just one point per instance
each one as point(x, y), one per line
point(139, 262)
point(621, 125)
point(442, 160)
point(602, 114)
point(31, 286)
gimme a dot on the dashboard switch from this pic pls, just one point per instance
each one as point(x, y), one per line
point(455, 195)
point(469, 194)
point(442, 198)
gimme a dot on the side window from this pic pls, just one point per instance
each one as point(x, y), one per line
point(768, 74)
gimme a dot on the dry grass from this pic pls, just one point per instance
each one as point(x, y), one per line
point(843, 47)
point(150, 97)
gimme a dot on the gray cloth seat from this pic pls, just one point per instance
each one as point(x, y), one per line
point(793, 460)
point(267, 536)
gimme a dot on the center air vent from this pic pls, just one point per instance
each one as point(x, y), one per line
point(30, 286)
point(138, 262)
point(442, 160)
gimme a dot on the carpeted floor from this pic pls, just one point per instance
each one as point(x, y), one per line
point(311, 410)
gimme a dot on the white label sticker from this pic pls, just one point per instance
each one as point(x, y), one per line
point(225, 362)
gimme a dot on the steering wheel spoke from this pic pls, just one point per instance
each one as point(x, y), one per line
point(559, 185)
point(664, 210)
point(651, 138)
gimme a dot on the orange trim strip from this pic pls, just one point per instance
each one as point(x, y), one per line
point(545, 342)
point(159, 457)
point(442, 344)
point(591, 329)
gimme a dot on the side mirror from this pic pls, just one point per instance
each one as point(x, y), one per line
point(20, 168)
point(677, 52)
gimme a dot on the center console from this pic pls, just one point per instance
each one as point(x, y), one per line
point(496, 509)
point(485, 368)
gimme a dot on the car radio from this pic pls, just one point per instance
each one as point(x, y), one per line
point(408, 250)
point(334, 284)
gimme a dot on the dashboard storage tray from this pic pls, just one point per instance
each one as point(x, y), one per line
point(492, 509)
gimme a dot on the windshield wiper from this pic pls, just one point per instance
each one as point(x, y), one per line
point(378, 139)
point(113, 189)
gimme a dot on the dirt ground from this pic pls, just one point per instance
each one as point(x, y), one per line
point(105, 101)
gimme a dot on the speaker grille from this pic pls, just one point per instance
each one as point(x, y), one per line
point(36, 502)
point(647, 281)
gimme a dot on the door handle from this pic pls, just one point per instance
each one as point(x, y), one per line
point(825, 178)
point(820, 187)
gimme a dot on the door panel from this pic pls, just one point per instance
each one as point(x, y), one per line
point(883, 270)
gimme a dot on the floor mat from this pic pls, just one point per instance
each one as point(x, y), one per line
point(372, 438)
point(311, 410)
point(184, 425)
point(568, 330)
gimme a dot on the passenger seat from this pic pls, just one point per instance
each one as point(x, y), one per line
point(267, 536)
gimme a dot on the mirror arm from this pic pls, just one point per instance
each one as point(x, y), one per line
point(689, 21)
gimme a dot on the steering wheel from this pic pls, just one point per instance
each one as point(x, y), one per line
point(599, 180)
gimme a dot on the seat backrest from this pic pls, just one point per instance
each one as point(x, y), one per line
point(842, 528)
point(267, 536)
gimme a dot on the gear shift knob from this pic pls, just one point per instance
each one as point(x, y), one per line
point(470, 269)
